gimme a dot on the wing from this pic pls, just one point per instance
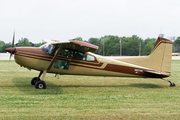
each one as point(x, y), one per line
point(78, 45)
point(74, 45)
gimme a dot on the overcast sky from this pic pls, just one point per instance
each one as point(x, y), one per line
point(67, 19)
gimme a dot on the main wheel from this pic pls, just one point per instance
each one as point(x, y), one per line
point(34, 80)
point(40, 84)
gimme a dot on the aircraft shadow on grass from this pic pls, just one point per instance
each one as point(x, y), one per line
point(138, 85)
point(24, 85)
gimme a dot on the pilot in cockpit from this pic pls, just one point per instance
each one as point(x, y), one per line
point(48, 48)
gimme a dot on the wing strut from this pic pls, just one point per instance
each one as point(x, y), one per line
point(52, 61)
point(55, 56)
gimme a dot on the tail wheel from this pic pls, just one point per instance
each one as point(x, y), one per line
point(34, 80)
point(40, 85)
point(172, 84)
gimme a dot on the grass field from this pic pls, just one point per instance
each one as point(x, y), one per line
point(85, 97)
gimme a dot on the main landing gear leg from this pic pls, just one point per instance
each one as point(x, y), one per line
point(35, 79)
point(39, 84)
point(171, 83)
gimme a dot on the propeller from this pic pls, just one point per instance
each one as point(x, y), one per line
point(13, 39)
point(12, 46)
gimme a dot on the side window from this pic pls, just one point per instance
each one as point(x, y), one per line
point(79, 55)
point(66, 53)
point(90, 58)
point(61, 64)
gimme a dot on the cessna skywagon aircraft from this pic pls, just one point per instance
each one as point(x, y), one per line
point(75, 58)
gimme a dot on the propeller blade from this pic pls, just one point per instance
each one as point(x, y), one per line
point(13, 39)
point(10, 56)
point(12, 52)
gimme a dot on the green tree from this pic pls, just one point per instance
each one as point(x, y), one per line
point(148, 48)
point(24, 42)
point(103, 41)
point(176, 45)
point(7, 45)
point(2, 43)
point(149, 45)
point(96, 41)
point(39, 44)
point(78, 39)
point(111, 45)
point(130, 45)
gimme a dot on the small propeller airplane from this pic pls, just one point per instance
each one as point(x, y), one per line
point(76, 58)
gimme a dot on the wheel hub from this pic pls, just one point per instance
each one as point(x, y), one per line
point(40, 86)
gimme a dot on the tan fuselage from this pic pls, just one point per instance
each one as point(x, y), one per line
point(35, 58)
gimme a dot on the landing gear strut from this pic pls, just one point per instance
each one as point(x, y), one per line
point(171, 83)
point(39, 84)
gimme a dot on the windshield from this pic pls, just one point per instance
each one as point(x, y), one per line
point(47, 48)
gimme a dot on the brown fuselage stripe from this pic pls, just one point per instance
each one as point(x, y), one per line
point(79, 62)
point(32, 57)
point(121, 69)
point(37, 55)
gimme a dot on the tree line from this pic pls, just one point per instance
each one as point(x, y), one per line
point(109, 45)
point(23, 42)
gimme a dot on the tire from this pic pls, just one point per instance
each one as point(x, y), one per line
point(40, 84)
point(34, 80)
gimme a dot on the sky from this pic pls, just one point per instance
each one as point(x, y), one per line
point(67, 19)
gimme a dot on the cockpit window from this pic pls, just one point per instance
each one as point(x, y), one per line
point(47, 48)
point(79, 55)
point(71, 54)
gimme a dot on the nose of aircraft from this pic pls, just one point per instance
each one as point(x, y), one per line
point(10, 50)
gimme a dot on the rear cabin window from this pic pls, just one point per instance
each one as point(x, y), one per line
point(90, 58)
point(79, 55)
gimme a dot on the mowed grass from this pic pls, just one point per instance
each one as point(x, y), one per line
point(87, 97)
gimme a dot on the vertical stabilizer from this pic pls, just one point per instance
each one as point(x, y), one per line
point(162, 53)
point(159, 59)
